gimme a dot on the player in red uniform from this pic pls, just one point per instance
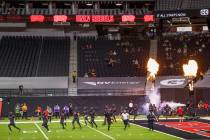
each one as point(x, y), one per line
point(180, 113)
point(45, 119)
point(46, 113)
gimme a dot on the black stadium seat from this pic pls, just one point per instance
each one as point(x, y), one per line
point(54, 58)
point(28, 56)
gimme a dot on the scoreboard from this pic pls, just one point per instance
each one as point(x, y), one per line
point(78, 18)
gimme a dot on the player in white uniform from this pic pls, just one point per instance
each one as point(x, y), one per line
point(125, 118)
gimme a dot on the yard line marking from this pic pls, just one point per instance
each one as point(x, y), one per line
point(159, 131)
point(41, 131)
point(32, 131)
point(100, 132)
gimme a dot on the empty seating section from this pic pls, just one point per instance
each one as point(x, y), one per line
point(54, 58)
point(27, 56)
point(168, 4)
point(174, 50)
point(181, 4)
point(197, 4)
point(108, 58)
point(19, 56)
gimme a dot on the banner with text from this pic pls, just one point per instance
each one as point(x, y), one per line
point(137, 83)
point(182, 13)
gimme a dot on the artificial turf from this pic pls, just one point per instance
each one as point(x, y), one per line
point(30, 130)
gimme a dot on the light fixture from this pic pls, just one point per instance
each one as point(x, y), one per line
point(67, 4)
point(89, 4)
point(118, 4)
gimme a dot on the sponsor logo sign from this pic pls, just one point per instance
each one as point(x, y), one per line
point(112, 83)
point(204, 12)
point(172, 14)
point(173, 82)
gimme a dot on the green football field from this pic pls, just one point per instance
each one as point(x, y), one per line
point(32, 130)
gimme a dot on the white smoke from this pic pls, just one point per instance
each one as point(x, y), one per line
point(172, 104)
point(153, 97)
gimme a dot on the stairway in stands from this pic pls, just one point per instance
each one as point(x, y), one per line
point(72, 91)
point(152, 54)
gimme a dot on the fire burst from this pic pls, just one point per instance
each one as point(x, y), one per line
point(152, 68)
point(190, 69)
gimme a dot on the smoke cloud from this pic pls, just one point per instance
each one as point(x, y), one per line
point(153, 97)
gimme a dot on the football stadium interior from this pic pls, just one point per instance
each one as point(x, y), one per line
point(104, 69)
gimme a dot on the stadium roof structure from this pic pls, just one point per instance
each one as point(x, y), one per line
point(83, 0)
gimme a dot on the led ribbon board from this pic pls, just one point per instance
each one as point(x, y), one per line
point(128, 18)
point(37, 18)
point(60, 18)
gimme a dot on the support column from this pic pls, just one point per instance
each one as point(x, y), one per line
point(96, 6)
point(50, 8)
point(126, 6)
point(27, 8)
point(74, 8)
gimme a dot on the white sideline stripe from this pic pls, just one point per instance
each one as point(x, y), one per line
point(41, 131)
point(100, 132)
point(28, 122)
point(159, 131)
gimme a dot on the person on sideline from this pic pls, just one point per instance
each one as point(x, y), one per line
point(25, 111)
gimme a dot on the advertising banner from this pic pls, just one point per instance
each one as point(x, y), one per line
point(171, 82)
point(182, 13)
point(112, 83)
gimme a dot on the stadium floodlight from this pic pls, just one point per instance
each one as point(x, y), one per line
point(118, 4)
point(89, 4)
point(67, 4)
